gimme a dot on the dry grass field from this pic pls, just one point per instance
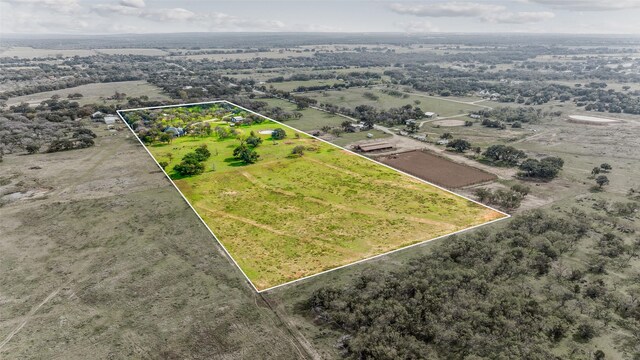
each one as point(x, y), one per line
point(97, 93)
point(101, 258)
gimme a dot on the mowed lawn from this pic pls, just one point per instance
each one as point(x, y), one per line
point(287, 217)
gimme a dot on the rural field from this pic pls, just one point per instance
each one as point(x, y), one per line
point(101, 258)
point(437, 169)
point(289, 216)
point(98, 93)
point(349, 98)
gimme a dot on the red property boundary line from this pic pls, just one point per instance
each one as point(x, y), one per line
point(120, 112)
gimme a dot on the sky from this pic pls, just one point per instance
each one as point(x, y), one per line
point(426, 16)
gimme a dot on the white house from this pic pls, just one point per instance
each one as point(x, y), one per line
point(237, 119)
point(429, 114)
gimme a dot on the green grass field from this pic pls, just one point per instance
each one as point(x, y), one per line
point(287, 217)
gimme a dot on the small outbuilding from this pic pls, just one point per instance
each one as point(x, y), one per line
point(110, 119)
point(369, 147)
point(237, 119)
point(174, 131)
point(429, 114)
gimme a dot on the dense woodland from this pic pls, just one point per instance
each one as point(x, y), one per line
point(515, 297)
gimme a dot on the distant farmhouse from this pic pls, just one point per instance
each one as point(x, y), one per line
point(107, 119)
point(429, 114)
point(237, 119)
point(176, 132)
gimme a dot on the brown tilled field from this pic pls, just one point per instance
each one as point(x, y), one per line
point(436, 169)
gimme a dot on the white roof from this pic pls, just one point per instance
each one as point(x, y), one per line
point(429, 113)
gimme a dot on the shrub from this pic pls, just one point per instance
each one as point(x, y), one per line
point(298, 150)
point(278, 134)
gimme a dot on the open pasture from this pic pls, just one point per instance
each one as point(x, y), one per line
point(350, 98)
point(95, 93)
point(287, 216)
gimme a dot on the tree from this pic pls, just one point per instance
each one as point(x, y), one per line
point(166, 138)
point(602, 180)
point(163, 164)
point(483, 194)
point(221, 132)
point(595, 171)
point(606, 167)
point(244, 153)
point(507, 155)
point(522, 189)
point(278, 134)
point(33, 148)
point(546, 169)
point(459, 145)
point(202, 153)
point(347, 126)
point(253, 140)
point(413, 127)
point(298, 150)
point(585, 332)
point(446, 136)
point(189, 166)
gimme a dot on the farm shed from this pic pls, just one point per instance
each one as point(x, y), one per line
point(429, 114)
point(237, 119)
point(110, 119)
point(374, 147)
point(174, 131)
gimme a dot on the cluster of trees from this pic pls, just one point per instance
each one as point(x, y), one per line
point(496, 124)
point(503, 155)
point(507, 294)
point(459, 145)
point(508, 199)
point(246, 150)
point(601, 180)
point(515, 114)
point(545, 169)
point(370, 115)
point(193, 163)
point(54, 124)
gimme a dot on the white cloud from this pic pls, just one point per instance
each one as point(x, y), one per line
point(57, 6)
point(175, 14)
point(492, 13)
point(590, 5)
point(452, 9)
point(518, 17)
point(133, 3)
point(418, 27)
point(107, 10)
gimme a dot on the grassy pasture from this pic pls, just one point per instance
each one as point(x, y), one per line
point(286, 217)
point(311, 119)
point(292, 85)
point(95, 93)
